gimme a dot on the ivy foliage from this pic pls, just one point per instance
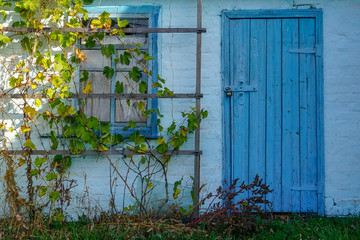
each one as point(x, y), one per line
point(50, 68)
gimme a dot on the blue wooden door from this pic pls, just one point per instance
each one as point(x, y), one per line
point(272, 104)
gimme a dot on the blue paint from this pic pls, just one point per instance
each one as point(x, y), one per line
point(152, 13)
point(276, 131)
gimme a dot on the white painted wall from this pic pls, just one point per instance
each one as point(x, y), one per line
point(177, 66)
point(341, 86)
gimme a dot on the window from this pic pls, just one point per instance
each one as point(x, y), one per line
point(117, 111)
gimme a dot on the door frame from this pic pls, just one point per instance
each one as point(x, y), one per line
point(227, 16)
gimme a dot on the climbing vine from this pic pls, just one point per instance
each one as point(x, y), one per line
point(45, 92)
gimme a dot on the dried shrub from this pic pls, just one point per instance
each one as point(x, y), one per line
point(235, 209)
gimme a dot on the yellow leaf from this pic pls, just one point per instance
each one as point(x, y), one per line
point(30, 111)
point(88, 88)
point(95, 24)
point(21, 162)
point(24, 129)
point(33, 85)
point(160, 140)
point(166, 159)
point(37, 102)
point(80, 55)
point(2, 126)
point(26, 70)
point(183, 132)
point(176, 193)
point(40, 77)
point(50, 93)
point(11, 129)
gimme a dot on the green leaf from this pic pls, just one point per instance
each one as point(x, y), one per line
point(156, 85)
point(118, 138)
point(19, 24)
point(108, 51)
point(4, 15)
point(147, 57)
point(183, 211)
point(104, 127)
point(76, 146)
point(30, 144)
point(119, 87)
point(56, 81)
point(59, 216)
point(172, 127)
point(160, 140)
point(142, 87)
point(132, 124)
point(125, 58)
point(108, 72)
point(88, 2)
point(51, 176)
point(122, 23)
point(143, 159)
point(90, 42)
point(160, 79)
point(84, 76)
point(43, 191)
point(191, 208)
point(31, 4)
point(135, 74)
point(62, 163)
point(141, 105)
point(34, 172)
point(162, 148)
point(93, 123)
point(4, 4)
point(54, 140)
point(104, 15)
point(58, 67)
point(39, 161)
point(27, 44)
point(4, 40)
point(46, 62)
point(54, 195)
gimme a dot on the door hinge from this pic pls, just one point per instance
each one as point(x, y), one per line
point(305, 188)
point(316, 50)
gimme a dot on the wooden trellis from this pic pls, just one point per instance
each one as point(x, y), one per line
point(197, 95)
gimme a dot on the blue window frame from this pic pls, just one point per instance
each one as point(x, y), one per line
point(147, 16)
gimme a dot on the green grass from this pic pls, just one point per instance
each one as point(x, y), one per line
point(311, 228)
point(293, 227)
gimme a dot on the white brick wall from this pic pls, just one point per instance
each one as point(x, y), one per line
point(177, 66)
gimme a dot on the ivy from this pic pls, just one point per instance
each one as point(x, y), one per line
point(49, 67)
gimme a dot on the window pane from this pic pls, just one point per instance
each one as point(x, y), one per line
point(134, 61)
point(123, 112)
point(98, 107)
point(95, 60)
point(127, 40)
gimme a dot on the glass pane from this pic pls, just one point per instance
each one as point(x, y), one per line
point(127, 40)
point(134, 61)
point(123, 112)
point(95, 60)
point(98, 107)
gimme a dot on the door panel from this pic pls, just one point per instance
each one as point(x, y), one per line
point(271, 112)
